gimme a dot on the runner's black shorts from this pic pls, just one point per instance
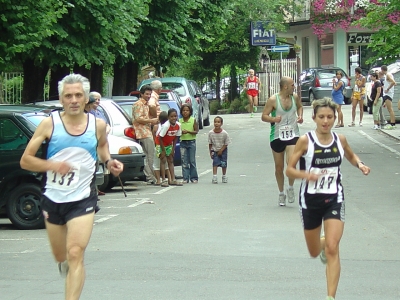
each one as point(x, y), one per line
point(313, 217)
point(61, 213)
point(279, 146)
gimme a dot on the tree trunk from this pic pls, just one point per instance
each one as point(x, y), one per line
point(233, 93)
point(96, 82)
point(218, 84)
point(57, 73)
point(83, 71)
point(119, 84)
point(33, 86)
point(131, 77)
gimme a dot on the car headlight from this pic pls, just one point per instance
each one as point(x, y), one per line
point(128, 150)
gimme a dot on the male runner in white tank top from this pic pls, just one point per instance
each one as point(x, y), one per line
point(388, 94)
point(284, 111)
point(74, 140)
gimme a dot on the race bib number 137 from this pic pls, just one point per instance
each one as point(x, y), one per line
point(63, 182)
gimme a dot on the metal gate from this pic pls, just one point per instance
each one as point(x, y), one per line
point(11, 84)
point(11, 87)
point(274, 70)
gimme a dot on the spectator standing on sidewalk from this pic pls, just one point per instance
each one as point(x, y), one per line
point(74, 141)
point(388, 93)
point(358, 97)
point(142, 124)
point(321, 154)
point(188, 144)
point(251, 86)
point(376, 96)
point(154, 104)
point(338, 97)
point(284, 111)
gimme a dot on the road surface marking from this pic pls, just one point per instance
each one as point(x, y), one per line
point(104, 219)
point(173, 186)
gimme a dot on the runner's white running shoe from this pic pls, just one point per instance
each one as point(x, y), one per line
point(290, 195)
point(282, 200)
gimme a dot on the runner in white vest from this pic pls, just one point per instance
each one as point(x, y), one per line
point(74, 139)
point(388, 93)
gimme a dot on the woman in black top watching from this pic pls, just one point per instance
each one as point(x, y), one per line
point(376, 96)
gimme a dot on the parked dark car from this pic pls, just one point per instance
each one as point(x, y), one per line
point(316, 83)
point(20, 190)
point(165, 105)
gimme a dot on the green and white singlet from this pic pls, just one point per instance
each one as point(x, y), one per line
point(287, 129)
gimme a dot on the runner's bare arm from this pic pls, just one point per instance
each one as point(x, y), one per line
point(30, 162)
point(268, 108)
point(299, 106)
point(291, 170)
point(114, 166)
point(352, 157)
point(390, 79)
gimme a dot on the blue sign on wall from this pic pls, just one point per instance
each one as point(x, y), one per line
point(261, 36)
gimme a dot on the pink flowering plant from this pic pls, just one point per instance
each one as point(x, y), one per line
point(330, 15)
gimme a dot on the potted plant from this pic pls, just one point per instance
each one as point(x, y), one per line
point(296, 48)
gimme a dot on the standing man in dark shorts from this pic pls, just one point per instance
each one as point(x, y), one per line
point(74, 140)
point(284, 111)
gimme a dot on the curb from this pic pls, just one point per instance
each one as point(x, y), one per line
point(389, 135)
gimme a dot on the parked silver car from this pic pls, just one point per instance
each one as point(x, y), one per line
point(316, 83)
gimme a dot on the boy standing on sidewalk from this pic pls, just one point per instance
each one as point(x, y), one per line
point(218, 141)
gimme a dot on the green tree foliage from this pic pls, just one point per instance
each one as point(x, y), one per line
point(384, 18)
point(24, 25)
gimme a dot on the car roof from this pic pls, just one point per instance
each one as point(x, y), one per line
point(22, 108)
point(164, 79)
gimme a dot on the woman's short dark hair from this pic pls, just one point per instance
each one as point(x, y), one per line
point(188, 106)
point(375, 75)
point(358, 70)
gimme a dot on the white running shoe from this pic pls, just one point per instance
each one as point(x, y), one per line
point(282, 200)
point(214, 180)
point(63, 268)
point(224, 179)
point(290, 195)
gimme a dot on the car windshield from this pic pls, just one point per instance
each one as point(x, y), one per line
point(177, 87)
point(327, 74)
point(33, 120)
point(127, 107)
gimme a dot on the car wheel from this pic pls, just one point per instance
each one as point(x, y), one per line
point(103, 187)
point(311, 97)
point(23, 207)
point(200, 120)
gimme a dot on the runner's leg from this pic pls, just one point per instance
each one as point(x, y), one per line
point(79, 231)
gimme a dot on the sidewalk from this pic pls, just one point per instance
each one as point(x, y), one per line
point(368, 121)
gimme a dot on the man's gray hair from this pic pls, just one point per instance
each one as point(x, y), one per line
point(156, 84)
point(74, 78)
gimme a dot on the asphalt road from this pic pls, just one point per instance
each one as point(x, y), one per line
point(226, 241)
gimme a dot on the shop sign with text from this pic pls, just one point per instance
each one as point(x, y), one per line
point(261, 36)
